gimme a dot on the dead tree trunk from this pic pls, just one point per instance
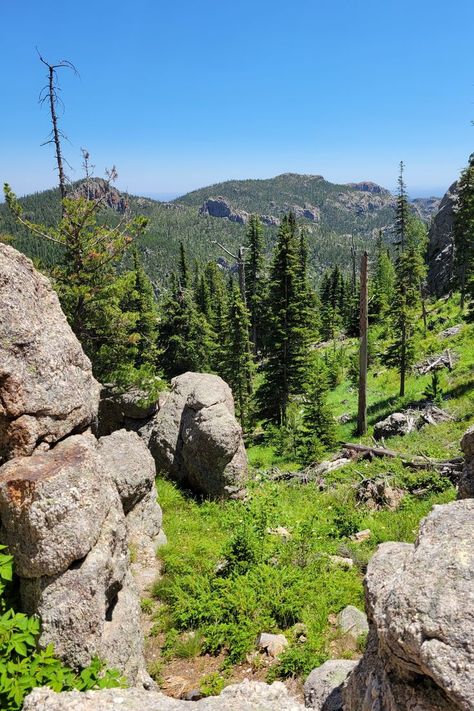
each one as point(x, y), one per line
point(363, 350)
point(50, 94)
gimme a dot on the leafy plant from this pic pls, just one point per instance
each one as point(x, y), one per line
point(23, 666)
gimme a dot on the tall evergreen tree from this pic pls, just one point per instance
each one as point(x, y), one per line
point(410, 271)
point(184, 335)
point(402, 211)
point(237, 363)
point(383, 281)
point(183, 268)
point(290, 327)
point(464, 234)
point(141, 301)
point(216, 311)
point(318, 431)
point(255, 281)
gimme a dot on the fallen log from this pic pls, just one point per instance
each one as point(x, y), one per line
point(449, 467)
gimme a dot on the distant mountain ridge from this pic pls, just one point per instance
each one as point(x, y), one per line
point(334, 216)
point(350, 207)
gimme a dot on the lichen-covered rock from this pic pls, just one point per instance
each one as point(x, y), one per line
point(195, 438)
point(419, 598)
point(130, 464)
point(323, 687)
point(272, 644)
point(247, 696)
point(76, 606)
point(466, 483)
point(47, 389)
point(395, 425)
point(118, 410)
point(352, 621)
point(53, 505)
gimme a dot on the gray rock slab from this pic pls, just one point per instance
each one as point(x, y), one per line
point(47, 389)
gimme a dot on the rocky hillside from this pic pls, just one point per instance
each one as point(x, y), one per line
point(353, 207)
point(219, 212)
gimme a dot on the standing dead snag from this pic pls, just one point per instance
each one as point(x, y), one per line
point(49, 94)
point(363, 354)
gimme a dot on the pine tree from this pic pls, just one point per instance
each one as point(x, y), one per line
point(87, 280)
point(405, 312)
point(183, 268)
point(383, 281)
point(183, 335)
point(255, 282)
point(290, 327)
point(333, 303)
point(141, 301)
point(237, 364)
point(216, 311)
point(318, 432)
point(464, 234)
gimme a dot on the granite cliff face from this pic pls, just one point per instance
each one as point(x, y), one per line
point(441, 246)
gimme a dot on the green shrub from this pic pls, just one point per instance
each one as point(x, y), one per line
point(23, 666)
point(211, 684)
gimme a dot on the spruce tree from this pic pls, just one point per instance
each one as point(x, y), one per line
point(237, 363)
point(318, 432)
point(141, 301)
point(183, 335)
point(290, 327)
point(383, 281)
point(256, 282)
point(464, 234)
point(216, 311)
point(405, 312)
point(183, 268)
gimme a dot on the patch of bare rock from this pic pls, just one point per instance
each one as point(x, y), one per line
point(247, 696)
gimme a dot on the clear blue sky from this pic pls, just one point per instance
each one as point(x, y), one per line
point(182, 94)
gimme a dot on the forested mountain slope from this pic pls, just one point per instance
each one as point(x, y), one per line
point(331, 214)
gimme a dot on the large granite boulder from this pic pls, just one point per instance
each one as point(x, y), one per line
point(70, 516)
point(246, 696)
point(134, 476)
point(466, 483)
point(47, 389)
point(441, 245)
point(195, 438)
point(53, 505)
point(420, 652)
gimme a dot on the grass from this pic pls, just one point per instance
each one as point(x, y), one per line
point(227, 577)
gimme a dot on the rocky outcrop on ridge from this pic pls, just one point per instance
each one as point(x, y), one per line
point(247, 696)
point(102, 191)
point(71, 506)
point(220, 207)
point(420, 651)
point(195, 438)
point(47, 389)
point(440, 254)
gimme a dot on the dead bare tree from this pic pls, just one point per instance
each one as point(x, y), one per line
point(364, 327)
point(50, 94)
point(240, 259)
